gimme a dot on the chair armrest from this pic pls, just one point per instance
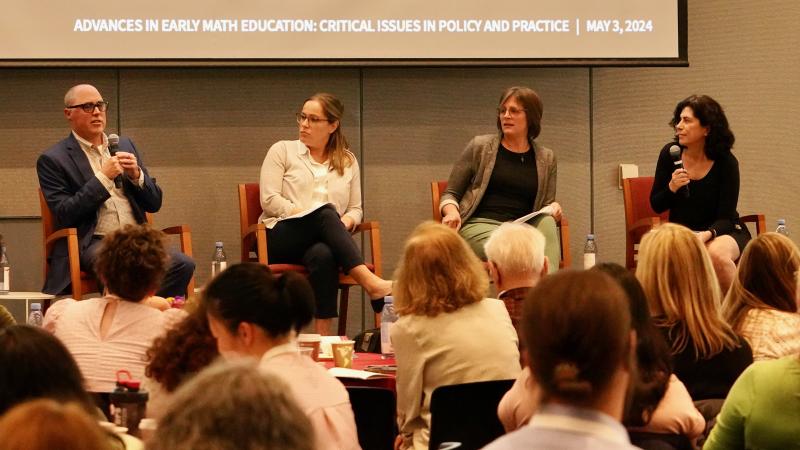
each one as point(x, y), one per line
point(758, 219)
point(61, 234)
point(178, 229)
point(644, 224)
point(366, 226)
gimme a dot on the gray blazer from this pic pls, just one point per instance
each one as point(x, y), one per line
point(472, 171)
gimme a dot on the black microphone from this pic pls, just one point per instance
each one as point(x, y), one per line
point(675, 154)
point(113, 146)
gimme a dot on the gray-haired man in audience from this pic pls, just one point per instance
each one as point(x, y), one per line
point(515, 252)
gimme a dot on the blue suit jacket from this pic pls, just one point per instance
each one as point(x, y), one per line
point(75, 195)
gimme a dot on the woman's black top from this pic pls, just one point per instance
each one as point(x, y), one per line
point(512, 187)
point(711, 377)
point(711, 204)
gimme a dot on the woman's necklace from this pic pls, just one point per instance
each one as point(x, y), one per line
point(521, 154)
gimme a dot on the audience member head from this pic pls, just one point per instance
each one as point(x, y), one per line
point(515, 253)
point(232, 406)
point(530, 102)
point(35, 364)
point(577, 331)
point(679, 281)
point(332, 110)
point(766, 278)
point(132, 262)
point(438, 273)
point(709, 113)
point(249, 310)
point(184, 350)
point(6, 319)
point(45, 424)
point(652, 353)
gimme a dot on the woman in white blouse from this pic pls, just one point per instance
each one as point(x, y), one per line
point(311, 200)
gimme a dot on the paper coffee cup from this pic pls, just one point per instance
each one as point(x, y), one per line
point(343, 353)
point(312, 341)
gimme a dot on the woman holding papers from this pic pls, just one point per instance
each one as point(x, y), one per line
point(505, 176)
point(254, 314)
point(311, 200)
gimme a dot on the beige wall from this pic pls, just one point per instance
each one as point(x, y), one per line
point(202, 131)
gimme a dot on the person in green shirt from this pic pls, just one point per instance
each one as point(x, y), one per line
point(762, 409)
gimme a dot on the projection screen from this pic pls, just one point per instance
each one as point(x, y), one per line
point(345, 32)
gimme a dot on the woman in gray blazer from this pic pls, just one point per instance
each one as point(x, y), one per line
point(502, 177)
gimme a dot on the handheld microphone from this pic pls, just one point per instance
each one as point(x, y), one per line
point(675, 154)
point(113, 146)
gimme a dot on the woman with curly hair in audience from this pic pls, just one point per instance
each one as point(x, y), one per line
point(685, 299)
point(448, 332)
point(762, 302)
point(176, 356)
point(113, 332)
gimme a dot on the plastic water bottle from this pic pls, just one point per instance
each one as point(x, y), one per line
point(589, 252)
point(35, 317)
point(219, 262)
point(5, 269)
point(782, 227)
point(128, 403)
point(388, 318)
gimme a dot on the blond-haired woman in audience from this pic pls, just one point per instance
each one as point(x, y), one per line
point(448, 332)
point(762, 302)
point(685, 299)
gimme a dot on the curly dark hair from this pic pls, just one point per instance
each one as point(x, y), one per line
point(183, 351)
point(132, 261)
point(710, 114)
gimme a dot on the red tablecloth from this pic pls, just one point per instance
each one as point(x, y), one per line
point(360, 362)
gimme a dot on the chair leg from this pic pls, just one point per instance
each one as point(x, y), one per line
point(344, 298)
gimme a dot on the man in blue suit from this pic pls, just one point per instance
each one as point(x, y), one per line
point(77, 176)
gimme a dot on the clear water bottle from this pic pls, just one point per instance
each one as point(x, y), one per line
point(589, 252)
point(218, 262)
point(388, 318)
point(5, 269)
point(35, 317)
point(782, 227)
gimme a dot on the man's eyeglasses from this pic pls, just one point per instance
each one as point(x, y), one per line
point(511, 111)
point(312, 120)
point(89, 107)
